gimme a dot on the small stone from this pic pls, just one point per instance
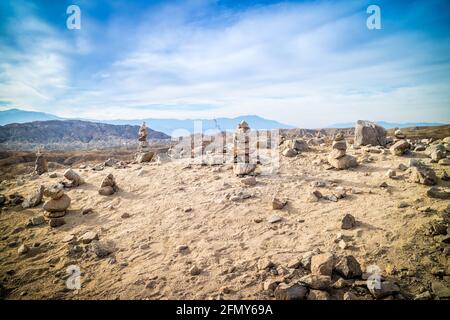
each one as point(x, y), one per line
point(53, 175)
point(270, 284)
point(439, 193)
point(348, 267)
point(125, 215)
point(348, 222)
point(403, 204)
point(318, 282)
point(195, 271)
point(88, 237)
point(289, 152)
point(383, 185)
point(391, 173)
point(55, 191)
point(265, 264)
point(322, 264)
point(182, 247)
point(278, 204)
point(249, 181)
point(69, 238)
point(274, 219)
point(38, 220)
point(291, 291)
point(56, 222)
point(106, 191)
point(23, 249)
point(73, 177)
point(383, 289)
point(318, 295)
point(101, 248)
point(87, 211)
point(423, 296)
point(440, 290)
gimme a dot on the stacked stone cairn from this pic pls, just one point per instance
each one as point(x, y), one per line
point(73, 177)
point(57, 205)
point(108, 186)
point(338, 157)
point(144, 154)
point(241, 150)
point(40, 165)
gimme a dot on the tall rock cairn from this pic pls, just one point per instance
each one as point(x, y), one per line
point(40, 165)
point(144, 154)
point(338, 157)
point(241, 150)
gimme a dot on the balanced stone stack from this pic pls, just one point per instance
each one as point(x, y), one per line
point(241, 152)
point(108, 186)
point(144, 154)
point(40, 165)
point(57, 205)
point(73, 177)
point(338, 157)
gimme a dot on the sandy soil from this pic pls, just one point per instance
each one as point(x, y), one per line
point(171, 205)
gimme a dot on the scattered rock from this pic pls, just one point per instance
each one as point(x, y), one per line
point(249, 181)
point(88, 237)
point(289, 152)
point(439, 193)
point(278, 204)
point(383, 289)
point(318, 295)
point(400, 147)
point(440, 290)
point(274, 219)
point(102, 248)
point(322, 264)
point(348, 267)
point(23, 249)
point(348, 222)
point(291, 291)
point(38, 220)
point(125, 215)
point(318, 282)
point(35, 199)
point(391, 174)
point(87, 211)
point(73, 177)
point(108, 186)
point(56, 222)
point(422, 175)
point(195, 271)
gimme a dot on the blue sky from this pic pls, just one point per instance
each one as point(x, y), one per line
point(305, 63)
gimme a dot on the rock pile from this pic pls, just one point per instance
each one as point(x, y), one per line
point(57, 205)
point(73, 177)
point(292, 147)
point(144, 154)
point(40, 165)
point(108, 186)
point(338, 157)
point(241, 150)
point(367, 132)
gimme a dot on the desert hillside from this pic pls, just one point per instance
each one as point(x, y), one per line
point(174, 229)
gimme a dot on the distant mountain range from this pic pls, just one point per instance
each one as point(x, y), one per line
point(167, 126)
point(390, 125)
point(70, 133)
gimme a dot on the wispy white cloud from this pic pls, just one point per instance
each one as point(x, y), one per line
point(306, 64)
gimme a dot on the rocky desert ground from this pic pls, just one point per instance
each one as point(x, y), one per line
point(173, 229)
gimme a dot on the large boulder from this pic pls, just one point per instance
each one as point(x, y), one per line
point(367, 132)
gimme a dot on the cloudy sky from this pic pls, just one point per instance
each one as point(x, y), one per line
point(304, 63)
